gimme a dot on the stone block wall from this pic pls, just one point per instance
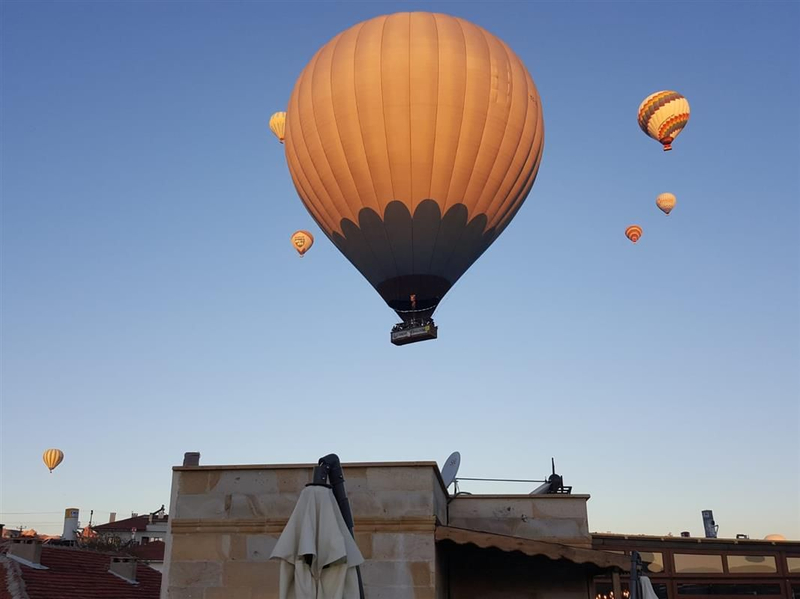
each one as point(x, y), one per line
point(555, 518)
point(225, 520)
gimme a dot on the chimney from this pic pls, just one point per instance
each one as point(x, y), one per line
point(124, 567)
point(112, 517)
point(27, 550)
point(71, 516)
point(191, 458)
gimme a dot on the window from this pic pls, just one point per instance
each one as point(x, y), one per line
point(605, 590)
point(740, 564)
point(653, 560)
point(793, 564)
point(729, 589)
point(690, 563)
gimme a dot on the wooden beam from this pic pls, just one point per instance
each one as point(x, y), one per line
point(616, 584)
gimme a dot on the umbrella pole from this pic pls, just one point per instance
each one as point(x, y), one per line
point(330, 468)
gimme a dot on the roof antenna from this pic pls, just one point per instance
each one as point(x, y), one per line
point(553, 485)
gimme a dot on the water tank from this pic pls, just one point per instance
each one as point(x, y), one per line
point(774, 537)
point(70, 524)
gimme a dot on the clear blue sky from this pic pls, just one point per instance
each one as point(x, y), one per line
point(152, 304)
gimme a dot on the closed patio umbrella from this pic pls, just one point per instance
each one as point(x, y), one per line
point(317, 553)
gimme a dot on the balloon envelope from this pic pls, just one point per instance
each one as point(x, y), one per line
point(663, 115)
point(52, 458)
point(666, 202)
point(634, 232)
point(413, 139)
point(302, 241)
point(277, 123)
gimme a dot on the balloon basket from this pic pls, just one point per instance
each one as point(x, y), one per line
point(405, 333)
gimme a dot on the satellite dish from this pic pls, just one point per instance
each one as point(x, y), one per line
point(451, 469)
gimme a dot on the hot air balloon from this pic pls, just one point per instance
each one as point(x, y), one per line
point(277, 123)
point(302, 241)
point(634, 232)
point(413, 139)
point(52, 458)
point(663, 115)
point(666, 202)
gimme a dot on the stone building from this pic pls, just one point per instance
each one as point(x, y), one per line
point(418, 541)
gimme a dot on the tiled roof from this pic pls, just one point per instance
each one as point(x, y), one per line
point(80, 574)
point(4, 594)
point(151, 552)
point(138, 522)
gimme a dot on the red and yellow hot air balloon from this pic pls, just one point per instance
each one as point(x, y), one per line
point(663, 115)
point(413, 139)
point(52, 458)
point(277, 124)
point(633, 232)
point(666, 202)
point(302, 241)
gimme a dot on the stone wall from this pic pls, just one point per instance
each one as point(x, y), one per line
point(225, 521)
point(555, 518)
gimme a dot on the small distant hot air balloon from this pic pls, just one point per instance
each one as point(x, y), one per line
point(52, 458)
point(666, 202)
point(277, 122)
point(302, 241)
point(634, 232)
point(663, 115)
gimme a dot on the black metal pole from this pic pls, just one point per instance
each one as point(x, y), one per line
point(335, 474)
point(634, 585)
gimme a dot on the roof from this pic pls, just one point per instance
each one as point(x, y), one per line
point(4, 592)
point(607, 538)
point(138, 522)
point(77, 574)
point(149, 552)
point(554, 551)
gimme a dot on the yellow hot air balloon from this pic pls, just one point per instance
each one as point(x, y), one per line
point(666, 202)
point(302, 241)
point(663, 115)
point(634, 232)
point(52, 458)
point(413, 139)
point(277, 123)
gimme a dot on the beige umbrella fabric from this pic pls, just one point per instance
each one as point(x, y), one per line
point(317, 553)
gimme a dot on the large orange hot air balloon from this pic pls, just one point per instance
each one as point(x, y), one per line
point(302, 241)
point(413, 139)
point(52, 458)
point(666, 202)
point(634, 232)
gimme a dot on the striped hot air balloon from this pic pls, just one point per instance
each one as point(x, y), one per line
point(52, 458)
point(277, 123)
point(634, 232)
point(666, 202)
point(663, 115)
point(302, 241)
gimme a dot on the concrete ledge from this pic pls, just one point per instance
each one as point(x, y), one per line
point(215, 467)
point(276, 525)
